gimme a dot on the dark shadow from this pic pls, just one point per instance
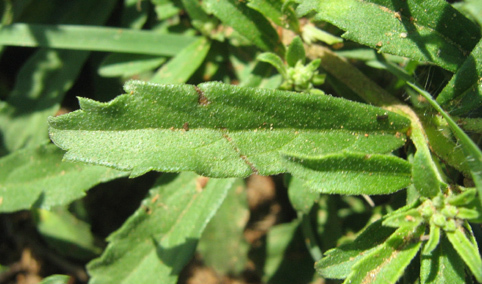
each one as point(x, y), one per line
point(296, 266)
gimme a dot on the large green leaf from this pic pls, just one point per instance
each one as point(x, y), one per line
point(220, 130)
point(38, 177)
point(427, 31)
point(157, 241)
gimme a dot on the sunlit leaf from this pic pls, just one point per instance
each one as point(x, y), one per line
point(219, 130)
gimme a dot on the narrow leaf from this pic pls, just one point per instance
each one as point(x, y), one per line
point(220, 130)
point(471, 150)
point(37, 177)
point(286, 253)
point(337, 262)
point(301, 197)
point(66, 234)
point(295, 52)
point(351, 173)
point(157, 241)
point(387, 263)
point(246, 21)
point(463, 93)
point(443, 265)
point(427, 31)
point(44, 79)
point(125, 65)
point(467, 250)
point(425, 174)
point(94, 39)
point(180, 68)
point(433, 240)
point(274, 60)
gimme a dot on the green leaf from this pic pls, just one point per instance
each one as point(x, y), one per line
point(467, 249)
point(180, 68)
point(134, 14)
point(386, 264)
point(66, 234)
point(425, 174)
point(157, 241)
point(338, 262)
point(37, 177)
point(295, 52)
point(462, 198)
point(471, 150)
point(428, 31)
point(44, 79)
point(126, 65)
point(220, 130)
point(433, 240)
point(41, 85)
point(411, 218)
point(351, 173)
point(463, 94)
point(222, 245)
point(56, 279)
point(246, 21)
point(94, 39)
point(301, 197)
point(286, 253)
point(443, 265)
point(279, 12)
point(274, 60)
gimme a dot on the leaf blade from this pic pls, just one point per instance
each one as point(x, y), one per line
point(38, 177)
point(429, 31)
point(156, 242)
point(219, 130)
point(350, 173)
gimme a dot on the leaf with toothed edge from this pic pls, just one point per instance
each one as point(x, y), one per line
point(219, 130)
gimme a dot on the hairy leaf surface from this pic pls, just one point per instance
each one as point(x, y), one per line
point(157, 241)
point(350, 173)
point(426, 31)
point(338, 262)
point(38, 177)
point(220, 130)
point(387, 262)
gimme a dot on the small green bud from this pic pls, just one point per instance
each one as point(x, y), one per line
point(427, 210)
point(449, 211)
point(438, 201)
point(450, 225)
point(439, 219)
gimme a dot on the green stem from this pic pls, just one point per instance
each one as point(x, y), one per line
point(310, 240)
